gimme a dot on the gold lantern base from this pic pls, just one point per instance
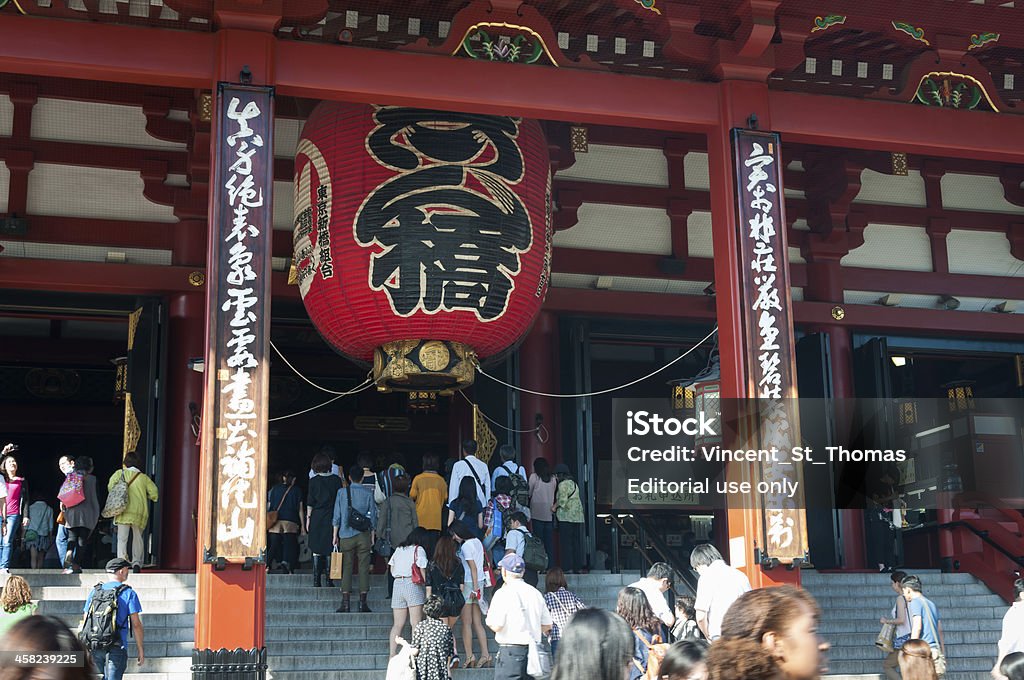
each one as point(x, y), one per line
point(443, 366)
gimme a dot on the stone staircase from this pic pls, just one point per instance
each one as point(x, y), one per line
point(851, 605)
point(307, 640)
point(168, 615)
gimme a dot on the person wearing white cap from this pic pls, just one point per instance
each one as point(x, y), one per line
point(518, 617)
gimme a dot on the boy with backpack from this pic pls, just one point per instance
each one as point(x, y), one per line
point(521, 542)
point(111, 610)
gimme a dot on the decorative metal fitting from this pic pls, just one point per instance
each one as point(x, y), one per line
point(899, 164)
point(410, 365)
point(838, 313)
point(197, 279)
point(579, 140)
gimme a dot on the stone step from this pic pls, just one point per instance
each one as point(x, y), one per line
point(148, 606)
point(90, 577)
point(276, 649)
point(810, 577)
point(883, 590)
point(945, 603)
point(865, 623)
point(354, 674)
point(158, 676)
point(975, 667)
point(867, 640)
point(851, 653)
point(76, 593)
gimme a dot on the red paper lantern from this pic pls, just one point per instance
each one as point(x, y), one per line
point(422, 237)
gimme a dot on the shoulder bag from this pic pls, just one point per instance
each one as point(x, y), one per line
point(538, 658)
point(357, 521)
point(938, 658)
point(383, 546)
point(417, 571)
point(117, 501)
point(272, 515)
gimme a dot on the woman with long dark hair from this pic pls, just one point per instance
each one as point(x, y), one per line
point(1012, 666)
point(901, 619)
point(466, 508)
point(471, 552)
point(323, 490)
point(543, 486)
point(14, 509)
point(445, 577)
point(769, 634)
point(81, 520)
point(634, 608)
point(596, 645)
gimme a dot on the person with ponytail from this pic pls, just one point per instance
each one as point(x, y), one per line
point(769, 634)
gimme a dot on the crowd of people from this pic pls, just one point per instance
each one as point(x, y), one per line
point(32, 533)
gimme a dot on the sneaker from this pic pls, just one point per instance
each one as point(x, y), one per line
point(4, 571)
point(69, 570)
point(136, 568)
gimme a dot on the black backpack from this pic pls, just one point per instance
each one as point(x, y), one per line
point(99, 625)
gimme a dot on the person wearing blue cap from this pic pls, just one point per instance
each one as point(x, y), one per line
point(518, 617)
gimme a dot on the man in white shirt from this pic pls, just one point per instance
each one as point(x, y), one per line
point(658, 581)
point(719, 586)
point(470, 466)
point(1012, 639)
point(508, 464)
point(518, 616)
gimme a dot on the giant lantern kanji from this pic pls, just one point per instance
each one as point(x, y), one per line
point(422, 238)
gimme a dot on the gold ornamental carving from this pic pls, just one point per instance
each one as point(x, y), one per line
point(133, 326)
point(838, 313)
point(434, 356)
point(433, 365)
point(132, 431)
point(483, 435)
point(196, 279)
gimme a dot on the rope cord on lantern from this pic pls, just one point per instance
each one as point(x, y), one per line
point(366, 384)
point(598, 392)
point(296, 371)
point(541, 431)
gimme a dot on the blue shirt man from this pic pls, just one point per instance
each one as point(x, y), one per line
point(111, 663)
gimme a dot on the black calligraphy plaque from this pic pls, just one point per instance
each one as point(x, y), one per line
point(768, 328)
point(234, 440)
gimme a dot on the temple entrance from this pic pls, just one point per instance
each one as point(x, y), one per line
point(67, 371)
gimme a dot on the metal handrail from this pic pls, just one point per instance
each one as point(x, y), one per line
point(643, 537)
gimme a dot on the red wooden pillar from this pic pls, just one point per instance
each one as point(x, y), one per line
point(231, 597)
point(738, 102)
point(538, 371)
point(185, 387)
point(824, 284)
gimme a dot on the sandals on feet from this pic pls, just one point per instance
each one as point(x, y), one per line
point(470, 662)
point(485, 662)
